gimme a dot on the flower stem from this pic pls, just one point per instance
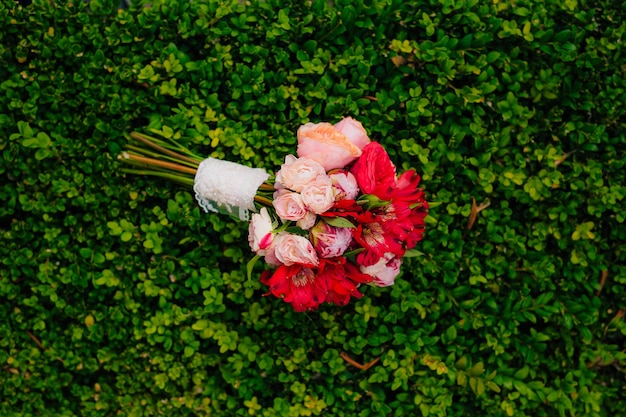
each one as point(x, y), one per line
point(156, 162)
point(263, 200)
point(138, 150)
point(145, 139)
point(181, 180)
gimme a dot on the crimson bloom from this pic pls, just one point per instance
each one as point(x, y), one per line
point(342, 280)
point(376, 236)
point(374, 171)
point(297, 285)
point(344, 208)
point(406, 189)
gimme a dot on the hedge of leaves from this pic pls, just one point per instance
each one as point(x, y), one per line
point(118, 296)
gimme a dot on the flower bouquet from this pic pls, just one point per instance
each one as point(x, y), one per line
point(332, 218)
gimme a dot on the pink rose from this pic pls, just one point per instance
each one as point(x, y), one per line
point(319, 195)
point(260, 230)
point(354, 131)
point(295, 173)
point(345, 186)
point(270, 255)
point(292, 249)
point(307, 221)
point(384, 271)
point(326, 145)
point(330, 241)
point(289, 206)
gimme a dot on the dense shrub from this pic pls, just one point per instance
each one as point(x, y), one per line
point(119, 297)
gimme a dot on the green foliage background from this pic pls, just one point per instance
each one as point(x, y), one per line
point(119, 297)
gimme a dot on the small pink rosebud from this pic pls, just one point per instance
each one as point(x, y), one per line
point(330, 241)
point(260, 232)
point(384, 271)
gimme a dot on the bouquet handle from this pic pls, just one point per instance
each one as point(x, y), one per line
point(227, 187)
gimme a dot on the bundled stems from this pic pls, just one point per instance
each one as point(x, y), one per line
point(188, 182)
point(161, 158)
point(152, 143)
point(263, 200)
point(168, 159)
point(158, 163)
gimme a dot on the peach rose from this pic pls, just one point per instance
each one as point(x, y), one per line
point(326, 145)
point(295, 173)
point(289, 206)
point(354, 131)
point(292, 249)
point(319, 195)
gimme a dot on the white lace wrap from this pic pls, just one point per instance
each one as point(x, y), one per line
point(228, 188)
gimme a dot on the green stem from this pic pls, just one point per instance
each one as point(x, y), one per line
point(172, 144)
point(263, 200)
point(156, 162)
point(145, 152)
point(147, 140)
point(173, 177)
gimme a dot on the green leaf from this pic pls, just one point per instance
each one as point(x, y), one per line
point(201, 325)
point(338, 222)
point(521, 373)
point(42, 154)
point(461, 363)
point(493, 386)
point(25, 130)
point(450, 334)
point(412, 253)
point(250, 266)
point(476, 369)
point(43, 140)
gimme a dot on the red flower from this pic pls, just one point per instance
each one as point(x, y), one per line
point(344, 208)
point(341, 278)
point(297, 285)
point(406, 189)
point(417, 219)
point(374, 171)
point(375, 234)
point(395, 219)
point(415, 207)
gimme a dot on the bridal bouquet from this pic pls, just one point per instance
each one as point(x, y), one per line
point(332, 218)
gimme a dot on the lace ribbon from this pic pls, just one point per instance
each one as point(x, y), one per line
point(228, 188)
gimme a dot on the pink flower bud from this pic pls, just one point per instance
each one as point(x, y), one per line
point(330, 241)
point(384, 271)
